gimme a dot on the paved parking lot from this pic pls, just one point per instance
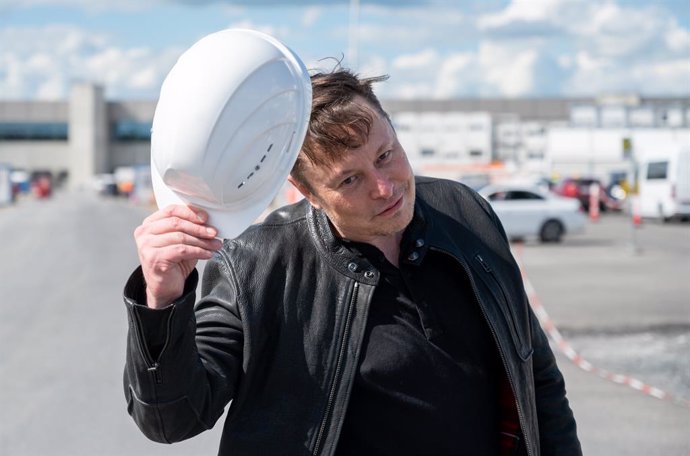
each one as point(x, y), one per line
point(621, 297)
point(62, 329)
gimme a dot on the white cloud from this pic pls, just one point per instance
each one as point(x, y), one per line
point(678, 39)
point(508, 72)
point(592, 46)
point(87, 5)
point(248, 24)
point(455, 75)
point(664, 77)
point(51, 89)
point(42, 62)
point(528, 47)
point(282, 33)
point(618, 32)
point(588, 63)
point(532, 18)
point(375, 65)
point(521, 11)
point(411, 90)
point(410, 28)
point(311, 15)
point(421, 60)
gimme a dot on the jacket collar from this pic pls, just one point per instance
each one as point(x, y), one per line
point(334, 252)
point(420, 234)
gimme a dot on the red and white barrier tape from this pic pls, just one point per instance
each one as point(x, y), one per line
point(564, 347)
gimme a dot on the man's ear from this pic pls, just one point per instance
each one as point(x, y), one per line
point(308, 195)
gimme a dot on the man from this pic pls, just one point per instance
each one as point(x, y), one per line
point(383, 314)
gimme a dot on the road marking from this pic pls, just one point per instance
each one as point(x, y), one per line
point(564, 346)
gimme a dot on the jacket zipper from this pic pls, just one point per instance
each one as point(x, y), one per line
point(338, 367)
point(498, 343)
point(151, 365)
point(511, 314)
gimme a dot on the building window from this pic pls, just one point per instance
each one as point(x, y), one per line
point(584, 116)
point(642, 117)
point(657, 170)
point(33, 131)
point(130, 130)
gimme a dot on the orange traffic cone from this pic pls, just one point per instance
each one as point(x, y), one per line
point(594, 202)
point(636, 217)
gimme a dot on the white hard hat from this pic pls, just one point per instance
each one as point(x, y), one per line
point(231, 118)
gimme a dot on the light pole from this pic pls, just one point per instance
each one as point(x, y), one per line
point(353, 39)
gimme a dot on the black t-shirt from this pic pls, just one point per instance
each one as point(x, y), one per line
point(427, 379)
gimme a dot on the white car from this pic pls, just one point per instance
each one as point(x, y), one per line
point(527, 211)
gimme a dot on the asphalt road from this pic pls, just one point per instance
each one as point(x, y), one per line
point(620, 295)
point(62, 330)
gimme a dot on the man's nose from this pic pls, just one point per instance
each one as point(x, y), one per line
point(383, 186)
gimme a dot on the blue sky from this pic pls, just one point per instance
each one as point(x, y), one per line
point(430, 48)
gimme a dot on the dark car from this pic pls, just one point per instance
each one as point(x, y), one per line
point(580, 188)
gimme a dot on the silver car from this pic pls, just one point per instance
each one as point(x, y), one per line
point(527, 212)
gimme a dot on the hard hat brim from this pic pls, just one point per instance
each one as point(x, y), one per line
point(229, 224)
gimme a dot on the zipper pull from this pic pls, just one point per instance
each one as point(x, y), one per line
point(156, 373)
point(486, 267)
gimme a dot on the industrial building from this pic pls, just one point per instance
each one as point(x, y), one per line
point(86, 136)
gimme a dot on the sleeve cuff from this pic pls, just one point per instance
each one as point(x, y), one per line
point(153, 323)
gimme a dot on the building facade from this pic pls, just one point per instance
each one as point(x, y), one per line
point(86, 136)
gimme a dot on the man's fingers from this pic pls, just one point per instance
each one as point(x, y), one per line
point(164, 258)
point(181, 211)
point(173, 224)
point(181, 238)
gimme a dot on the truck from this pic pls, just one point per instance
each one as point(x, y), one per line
point(664, 183)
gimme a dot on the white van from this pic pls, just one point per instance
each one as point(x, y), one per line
point(6, 195)
point(664, 183)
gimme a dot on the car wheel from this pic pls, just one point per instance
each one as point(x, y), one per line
point(551, 231)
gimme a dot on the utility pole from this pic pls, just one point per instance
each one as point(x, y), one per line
point(353, 45)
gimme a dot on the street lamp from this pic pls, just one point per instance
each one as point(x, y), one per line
point(353, 41)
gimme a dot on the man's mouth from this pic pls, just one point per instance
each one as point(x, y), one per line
point(392, 208)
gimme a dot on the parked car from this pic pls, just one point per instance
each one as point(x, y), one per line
point(527, 211)
point(41, 184)
point(579, 188)
point(105, 184)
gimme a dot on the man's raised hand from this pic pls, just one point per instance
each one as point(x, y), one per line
point(169, 243)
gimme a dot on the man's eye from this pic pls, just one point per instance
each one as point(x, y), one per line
point(384, 155)
point(348, 181)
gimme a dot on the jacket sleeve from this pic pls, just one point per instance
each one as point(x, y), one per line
point(557, 428)
point(183, 362)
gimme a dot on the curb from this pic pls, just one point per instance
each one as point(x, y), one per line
point(564, 347)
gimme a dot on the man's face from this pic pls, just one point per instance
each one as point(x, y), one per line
point(368, 194)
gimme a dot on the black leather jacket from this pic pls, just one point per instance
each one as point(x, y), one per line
point(279, 326)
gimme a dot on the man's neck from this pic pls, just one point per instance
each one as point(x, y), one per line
point(390, 246)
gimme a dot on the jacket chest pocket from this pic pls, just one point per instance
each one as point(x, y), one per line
point(514, 311)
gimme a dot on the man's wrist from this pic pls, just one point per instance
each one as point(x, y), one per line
point(154, 302)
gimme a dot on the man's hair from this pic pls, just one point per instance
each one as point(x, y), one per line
point(337, 123)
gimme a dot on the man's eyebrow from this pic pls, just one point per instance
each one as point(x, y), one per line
point(336, 178)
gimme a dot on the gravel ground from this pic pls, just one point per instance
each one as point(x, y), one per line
point(658, 358)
